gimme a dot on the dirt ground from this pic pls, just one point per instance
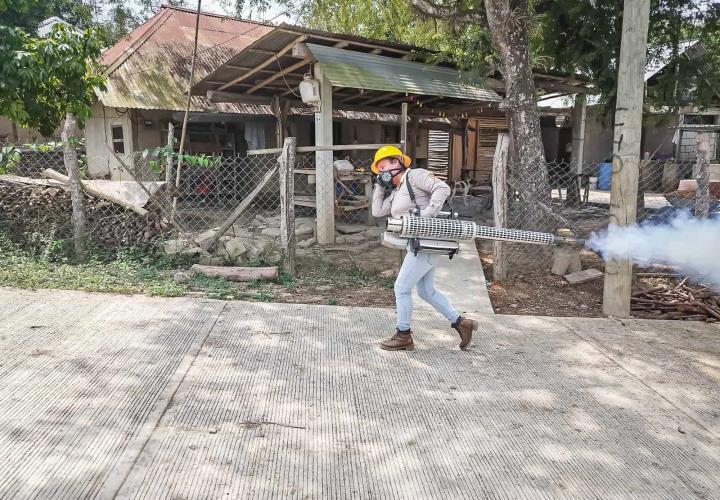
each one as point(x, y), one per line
point(535, 291)
point(345, 275)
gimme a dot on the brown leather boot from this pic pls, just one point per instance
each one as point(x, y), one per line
point(401, 341)
point(465, 327)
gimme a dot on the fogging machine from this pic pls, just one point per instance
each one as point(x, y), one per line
point(442, 234)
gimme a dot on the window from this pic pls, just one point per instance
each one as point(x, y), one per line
point(118, 139)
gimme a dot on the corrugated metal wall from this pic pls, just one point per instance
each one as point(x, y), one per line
point(438, 153)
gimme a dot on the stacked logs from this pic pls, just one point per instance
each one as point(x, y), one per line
point(677, 302)
point(27, 210)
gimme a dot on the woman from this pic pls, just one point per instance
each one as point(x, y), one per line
point(415, 188)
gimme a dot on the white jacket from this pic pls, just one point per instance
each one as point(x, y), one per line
point(430, 195)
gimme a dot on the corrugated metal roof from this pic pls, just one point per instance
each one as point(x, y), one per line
point(150, 68)
point(347, 68)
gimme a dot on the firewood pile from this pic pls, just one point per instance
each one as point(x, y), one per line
point(679, 301)
point(27, 210)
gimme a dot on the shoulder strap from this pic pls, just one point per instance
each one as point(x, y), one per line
point(411, 191)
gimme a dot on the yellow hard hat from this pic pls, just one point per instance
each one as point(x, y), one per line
point(389, 152)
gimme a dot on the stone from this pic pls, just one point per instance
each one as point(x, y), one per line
point(203, 239)
point(174, 247)
point(240, 231)
point(302, 221)
point(374, 232)
point(304, 229)
point(258, 247)
point(566, 260)
point(303, 237)
point(350, 239)
point(307, 243)
point(350, 228)
point(193, 251)
point(271, 231)
point(181, 277)
point(583, 276)
point(236, 248)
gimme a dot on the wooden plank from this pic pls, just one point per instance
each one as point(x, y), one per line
point(52, 174)
point(583, 276)
point(287, 205)
point(264, 64)
point(499, 180)
point(236, 273)
point(626, 148)
point(312, 149)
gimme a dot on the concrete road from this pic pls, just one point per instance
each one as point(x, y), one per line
point(105, 396)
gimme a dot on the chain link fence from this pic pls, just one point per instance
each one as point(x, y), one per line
point(141, 198)
point(579, 202)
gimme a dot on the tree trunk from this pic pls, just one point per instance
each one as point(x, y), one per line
point(76, 192)
point(508, 22)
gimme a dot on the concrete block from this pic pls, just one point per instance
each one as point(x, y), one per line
point(583, 276)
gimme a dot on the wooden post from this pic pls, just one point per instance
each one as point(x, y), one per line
point(170, 145)
point(287, 204)
point(280, 109)
point(403, 127)
point(464, 163)
point(325, 179)
point(413, 138)
point(702, 175)
point(499, 182)
point(626, 148)
point(79, 220)
point(369, 195)
point(183, 133)
point(579, 117)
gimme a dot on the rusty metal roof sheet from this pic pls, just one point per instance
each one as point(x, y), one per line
point(150, 68)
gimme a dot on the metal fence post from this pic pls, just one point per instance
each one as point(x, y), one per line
point(287, 203)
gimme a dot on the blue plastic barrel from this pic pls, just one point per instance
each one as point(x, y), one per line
point(604, 176)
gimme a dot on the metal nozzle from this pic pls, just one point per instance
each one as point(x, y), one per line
point(394, 225)
point(569, 240)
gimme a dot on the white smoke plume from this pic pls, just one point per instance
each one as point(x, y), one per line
point(689, 244)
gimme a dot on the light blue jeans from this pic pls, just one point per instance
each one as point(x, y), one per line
point(419, 271)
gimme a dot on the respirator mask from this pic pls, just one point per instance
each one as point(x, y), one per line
point(385, 178)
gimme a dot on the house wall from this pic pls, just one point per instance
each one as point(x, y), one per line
point(98, 133)
point(657, 135)
point(598, 137)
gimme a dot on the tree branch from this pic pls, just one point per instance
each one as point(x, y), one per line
point(436, 11)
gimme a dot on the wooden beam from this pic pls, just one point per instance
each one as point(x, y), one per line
point(263, 64)
point(301, 50)
point(561, 87)
point(351, 42)
point(280, 73)
point(626, 148)
point(217, 96)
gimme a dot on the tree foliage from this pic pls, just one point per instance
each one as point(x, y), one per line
point(583, 36)
point(43, 79)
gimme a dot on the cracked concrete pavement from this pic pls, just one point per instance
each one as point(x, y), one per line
point(109, 396)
